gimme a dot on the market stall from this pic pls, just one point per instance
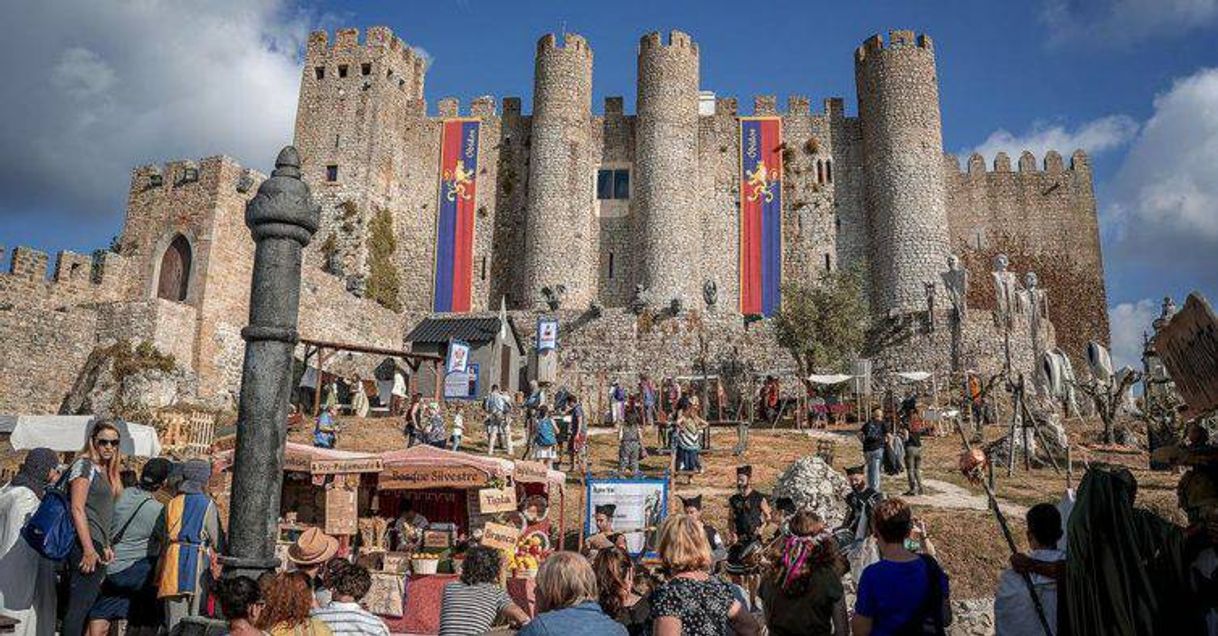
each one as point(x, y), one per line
point(326, 488)
point(441, 500)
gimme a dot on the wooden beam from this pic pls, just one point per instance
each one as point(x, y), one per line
point(399, 353)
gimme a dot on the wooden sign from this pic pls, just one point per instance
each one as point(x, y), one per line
point(340, 466)
point(341, 515)
point(436, 539)
point(496, 500)
point(500, 536)
point(297, 462)
point(1188, 346)
point(396, 562)
point(423, 477)
point(530, 472)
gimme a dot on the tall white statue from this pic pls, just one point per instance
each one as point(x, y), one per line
point(955, 281)
point(1005, 288)
point(1034, 305)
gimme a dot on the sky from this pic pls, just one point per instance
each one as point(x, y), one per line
point(97, 87)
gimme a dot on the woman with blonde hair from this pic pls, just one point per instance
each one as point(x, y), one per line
point(288, 602)
point(692, 602)
point(567, 600)
point(94, 482)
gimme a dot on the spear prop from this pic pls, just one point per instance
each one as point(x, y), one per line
point(972, 465)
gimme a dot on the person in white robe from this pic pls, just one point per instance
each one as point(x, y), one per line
point(27, 580)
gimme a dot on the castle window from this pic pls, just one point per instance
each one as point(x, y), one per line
point(820, 171)
point(829, 171)
point(336, 140)
point(175, 270)
point(483, 276)
point(342, 70)
point(613, 184)
point(837, 223)
point(828, 264)
point(320, 72)
point(365, 68)
point(189, 175)
point(331, 173)
point(610, 265)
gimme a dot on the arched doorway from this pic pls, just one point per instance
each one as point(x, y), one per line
point(175, 270)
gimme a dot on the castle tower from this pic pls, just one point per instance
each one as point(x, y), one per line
point(355, 99)
point(666, 166)
point(905, 199)
point(559, 235)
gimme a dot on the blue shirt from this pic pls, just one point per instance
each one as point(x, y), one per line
point(893, 594)
point(585, 619)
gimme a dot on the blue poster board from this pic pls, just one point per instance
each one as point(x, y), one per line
point(642, 505)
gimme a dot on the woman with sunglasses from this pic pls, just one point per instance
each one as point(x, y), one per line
point(94, 482)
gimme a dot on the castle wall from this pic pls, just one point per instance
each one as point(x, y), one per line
point(560, 233)
point(1042, 216)
point(666, 158)
point(355, 124)
point(898, 94)
point(617, 271)
point(511, 188)
point(40, 353)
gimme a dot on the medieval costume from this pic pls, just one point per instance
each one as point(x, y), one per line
point(748, 510)
point(717, 545)
point(192, 539)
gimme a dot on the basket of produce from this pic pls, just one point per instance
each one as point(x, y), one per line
point(423, 563)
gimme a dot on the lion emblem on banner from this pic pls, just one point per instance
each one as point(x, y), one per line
point(457, 180)
point(759, 183)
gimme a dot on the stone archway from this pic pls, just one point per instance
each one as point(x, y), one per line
point(174, 280)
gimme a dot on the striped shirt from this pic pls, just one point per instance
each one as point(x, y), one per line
point(350, 618)
point(467, 610)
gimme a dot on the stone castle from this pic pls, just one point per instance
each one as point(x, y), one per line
point(626, 226)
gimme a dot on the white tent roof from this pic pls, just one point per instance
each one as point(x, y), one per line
point(837, 378)
point(66, 433)
point(913, 376)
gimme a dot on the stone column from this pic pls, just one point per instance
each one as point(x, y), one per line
point(282, 218)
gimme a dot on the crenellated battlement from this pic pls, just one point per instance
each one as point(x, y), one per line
point(1027, 164)
point(615, 105)
point(677, 40)
point(480, 107)
point(188, 173)
point(572, 43)
point(511, 107)
point(377, 41)
point(796, 106)
point(897, 39)
point(72, 274)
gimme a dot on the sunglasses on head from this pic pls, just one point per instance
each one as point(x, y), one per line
point(106, 442)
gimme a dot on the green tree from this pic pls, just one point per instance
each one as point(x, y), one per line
point(382, 271)
point(822, 325)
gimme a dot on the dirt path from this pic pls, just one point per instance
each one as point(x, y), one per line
point(950, 496)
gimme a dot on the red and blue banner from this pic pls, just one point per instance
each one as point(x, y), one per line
point(455, 223)
point(760, 215)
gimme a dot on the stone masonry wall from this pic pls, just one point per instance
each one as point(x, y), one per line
point(1043, 217)
point(898, 95)
point(560, 240)
point(666, 158)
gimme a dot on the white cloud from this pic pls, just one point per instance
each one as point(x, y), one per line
point(1122, 22)
point(1164, 198)
point(1095, 137)
point(105, 86)
point(1128, 322)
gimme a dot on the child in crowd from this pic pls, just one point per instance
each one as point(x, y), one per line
point(458, 427)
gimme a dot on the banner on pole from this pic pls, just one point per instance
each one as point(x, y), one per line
point(760, 215)
point(453, 277)
point(458, 356)
point(547, 333)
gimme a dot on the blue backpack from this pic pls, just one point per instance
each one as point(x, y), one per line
point(50, 531)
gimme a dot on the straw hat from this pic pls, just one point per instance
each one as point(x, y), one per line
point(313, 547)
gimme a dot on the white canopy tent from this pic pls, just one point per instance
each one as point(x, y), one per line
point(829, 379)
point(67, 433)
point(913, 376)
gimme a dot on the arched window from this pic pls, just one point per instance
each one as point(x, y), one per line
point(829, 170)
point(175, 270)
point(820, 171)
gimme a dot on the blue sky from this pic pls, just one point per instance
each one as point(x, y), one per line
point(106, 86)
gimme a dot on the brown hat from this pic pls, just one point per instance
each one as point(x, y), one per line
point(313, 547)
